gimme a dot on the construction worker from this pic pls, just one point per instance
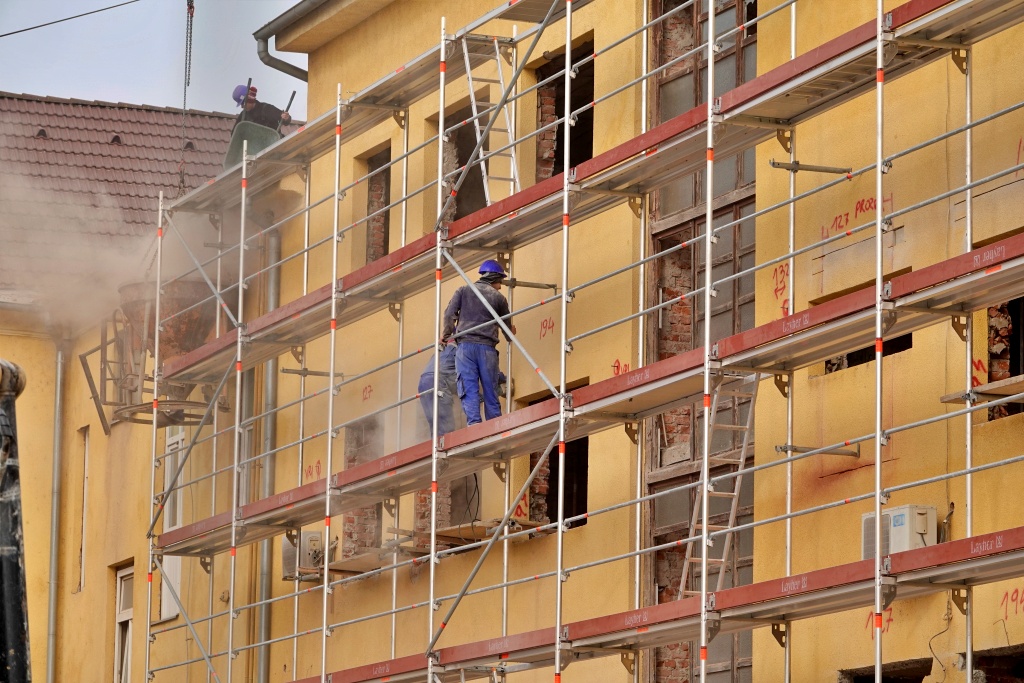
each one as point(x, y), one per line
point(476, 360)
point(255, 111)
point(446, 390)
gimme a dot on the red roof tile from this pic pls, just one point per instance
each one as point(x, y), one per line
point(73, 194)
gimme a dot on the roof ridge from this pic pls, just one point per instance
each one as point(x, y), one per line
point(110, 105)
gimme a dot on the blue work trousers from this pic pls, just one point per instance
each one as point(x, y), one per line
point(476, 365)
point(446, 397)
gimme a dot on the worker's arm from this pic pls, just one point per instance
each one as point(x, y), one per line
point(451, 314)
point(502, 310)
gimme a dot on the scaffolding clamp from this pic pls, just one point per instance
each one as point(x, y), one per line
point(399, 116)
point(568, 347)
point(780, 631)
point(714, 623)
point(888, 589)
point(631, 431)
point(959, 598)
point(959, 324)
point(636, 205)
point(297, 353)
point(500, 468)
point(785, 138)
point(293, 537)
point(206, 562)
point(395, 309)
point(628, 660)
point(782, 384)
point(959, 57)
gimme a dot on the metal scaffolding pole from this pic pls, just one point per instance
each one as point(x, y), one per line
point(441, 231)
point(969, 345)
point(396, 514)
point(564, 406)
point(880, 439)
point(709, 217)
point(641, 334)
point(332, 370)
point(237, 436)
point(156, 402)
point(215, 426)
point(790, 306)
point(301, 453)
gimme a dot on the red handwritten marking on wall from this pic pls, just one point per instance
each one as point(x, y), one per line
point(780, 285)
point(367, 392)
point(313, 470)
point(547, 326)
point(887, 621)
point(841, 222)
point(979, 366)
point(520, 511)
point(619, 368)
point(1015, 598)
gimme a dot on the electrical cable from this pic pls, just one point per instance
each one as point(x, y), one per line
point(947, 617)
point(58, 21)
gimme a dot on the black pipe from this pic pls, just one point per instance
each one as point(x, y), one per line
point(14, 650)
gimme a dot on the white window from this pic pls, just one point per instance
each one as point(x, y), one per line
point(170, 578)
point(123, 626)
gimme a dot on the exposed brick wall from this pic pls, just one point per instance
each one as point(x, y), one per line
point(675, 336)
point(1000, 327)
point(378, 195)
point(672, 661)
point(676, 37)
point(546, 115)
point(421, 506)
point(539, 491)
point(361, 529)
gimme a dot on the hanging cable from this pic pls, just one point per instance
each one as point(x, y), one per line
point(191, 9)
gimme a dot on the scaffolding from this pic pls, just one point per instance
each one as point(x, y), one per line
point(771, 106)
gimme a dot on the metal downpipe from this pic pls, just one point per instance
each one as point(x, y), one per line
point(58, 421)
point(269, 464)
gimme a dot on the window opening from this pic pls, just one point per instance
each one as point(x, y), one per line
point(457, 149)
point(682, 87)
point(551, 107)
point(378, 195)
point(83, 440)
point(1006, 350)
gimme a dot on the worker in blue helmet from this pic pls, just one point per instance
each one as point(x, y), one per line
point(476, 331)
point(258, 112)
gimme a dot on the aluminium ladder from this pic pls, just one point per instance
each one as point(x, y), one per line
point(737, 457)
point(502, 52)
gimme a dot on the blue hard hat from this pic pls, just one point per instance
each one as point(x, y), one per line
point(491, 266)
point(238, 94)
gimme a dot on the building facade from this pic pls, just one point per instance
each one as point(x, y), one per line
point(846, 343)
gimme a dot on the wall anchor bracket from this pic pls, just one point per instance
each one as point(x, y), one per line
point(780, 631)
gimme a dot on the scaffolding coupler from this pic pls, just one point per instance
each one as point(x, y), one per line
point(789, 448)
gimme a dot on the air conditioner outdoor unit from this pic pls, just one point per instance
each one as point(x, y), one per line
point(311, 556)
point(903, 528)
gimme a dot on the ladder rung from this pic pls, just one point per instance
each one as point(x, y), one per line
point(721, 494)
point(486, 80)
point(502, 154)
point(734, 392)
point(712, 527)
point(731, 428)
point(499, 130)
point(711, 560)
point(723, 460)
point(498, 177)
